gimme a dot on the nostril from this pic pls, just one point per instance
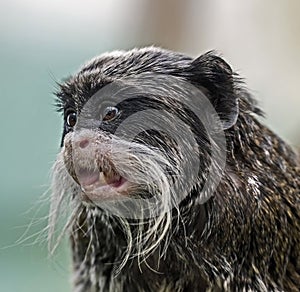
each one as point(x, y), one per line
point(84, 143)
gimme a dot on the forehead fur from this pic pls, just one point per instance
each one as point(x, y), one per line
point(117, 64)
point(124, 63)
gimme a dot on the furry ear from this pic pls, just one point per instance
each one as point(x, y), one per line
point(215, 75)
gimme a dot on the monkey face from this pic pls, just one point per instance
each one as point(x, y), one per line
point(142, 146)
point(144, 137)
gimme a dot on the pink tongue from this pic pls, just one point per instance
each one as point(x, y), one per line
point(86, 177)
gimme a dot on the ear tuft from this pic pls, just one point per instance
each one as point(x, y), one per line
point(215, 75)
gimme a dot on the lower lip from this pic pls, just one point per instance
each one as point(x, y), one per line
point(96, 185)
point(104, 193)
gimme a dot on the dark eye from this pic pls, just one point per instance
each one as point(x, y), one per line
point(110, 113)
point(71, 119)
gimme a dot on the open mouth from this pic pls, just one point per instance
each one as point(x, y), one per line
point(99, 182)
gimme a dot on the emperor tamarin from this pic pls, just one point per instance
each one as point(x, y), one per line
point(169, 181)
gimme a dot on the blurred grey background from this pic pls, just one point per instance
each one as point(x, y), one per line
point(44, 41)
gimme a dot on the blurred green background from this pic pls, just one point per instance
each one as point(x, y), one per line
point(45, 41)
